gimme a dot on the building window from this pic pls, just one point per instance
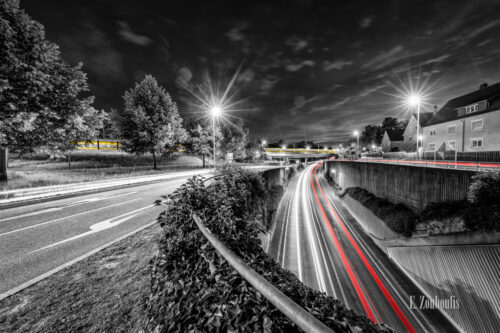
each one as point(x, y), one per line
point(471, 108)
point(432, 132)
point(452, 129)
point(476, 143)
point(431, 147)
point(451, 145)
point(476, 125)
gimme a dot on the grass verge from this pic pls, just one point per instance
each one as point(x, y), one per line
point(105, 292)
point(27, 173)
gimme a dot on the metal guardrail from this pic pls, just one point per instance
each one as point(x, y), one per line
point(432, 164)
point(303, 319)
point(32, 193)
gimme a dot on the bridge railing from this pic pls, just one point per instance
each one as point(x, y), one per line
point(299, 151)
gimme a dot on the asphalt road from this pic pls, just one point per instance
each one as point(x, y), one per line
point(37, 238)
point(318, 240)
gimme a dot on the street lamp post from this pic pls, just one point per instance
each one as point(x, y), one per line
point(356, 133)
point(414, 100)
point(216, 111)
point(262, 144)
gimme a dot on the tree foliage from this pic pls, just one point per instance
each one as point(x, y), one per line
point(235, 140)
point(150, 121)
point(200, 141)
point(484, 202)
point(373, 134)
point(40, 94)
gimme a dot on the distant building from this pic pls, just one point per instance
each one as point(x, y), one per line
point(393, 140)
point(469, 123)
point(410, 133)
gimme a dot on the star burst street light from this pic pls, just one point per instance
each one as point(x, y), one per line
point(216, 111)
point(356, 134)
point(217, 100)
point(414, 100)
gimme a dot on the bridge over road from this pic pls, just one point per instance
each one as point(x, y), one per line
point(298, 154)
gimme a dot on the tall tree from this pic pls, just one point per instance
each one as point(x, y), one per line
point(235, 140)
point(253, 146)
point(150, 121)
point(390, 123)
point(372, 134)
point(40, 94)
point(200, 140)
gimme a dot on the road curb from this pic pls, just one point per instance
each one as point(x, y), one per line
point(53, 271)
point(83, 192)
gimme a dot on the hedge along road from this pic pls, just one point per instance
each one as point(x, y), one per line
point(38, 238)
point(319, 241)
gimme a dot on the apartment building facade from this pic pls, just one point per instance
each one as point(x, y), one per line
point(468, 123)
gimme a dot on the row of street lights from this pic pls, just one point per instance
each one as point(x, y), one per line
point(412, 100)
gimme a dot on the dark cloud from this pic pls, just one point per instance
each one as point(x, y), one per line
point(127, 34)
point(315, 69)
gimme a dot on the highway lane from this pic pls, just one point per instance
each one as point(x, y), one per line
point(319, 241)
point(37, 238)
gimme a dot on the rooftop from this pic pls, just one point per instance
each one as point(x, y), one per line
point(449, 110)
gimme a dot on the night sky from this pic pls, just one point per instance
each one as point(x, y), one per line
point(309, 69)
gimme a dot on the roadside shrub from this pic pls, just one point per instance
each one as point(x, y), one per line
point(442, 210)
point(484, 202)
point(398, 218)
point(194, 289)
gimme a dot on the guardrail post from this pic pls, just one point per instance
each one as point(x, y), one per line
point(98, 145)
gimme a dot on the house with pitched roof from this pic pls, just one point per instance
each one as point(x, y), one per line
point(393, 140)
point(410, 133)
point(468, 123)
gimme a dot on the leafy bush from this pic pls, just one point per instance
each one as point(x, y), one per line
point(484, 202)
point(442, 210)
point(398, 218)
point(194, 289)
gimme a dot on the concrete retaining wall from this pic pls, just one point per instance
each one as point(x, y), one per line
point(413, 186)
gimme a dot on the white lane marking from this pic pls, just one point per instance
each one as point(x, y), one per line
point(318, 270)
point(65, 217)
point(56, 209)
point(101, 198)
point(98, 227)
point(43, 211)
